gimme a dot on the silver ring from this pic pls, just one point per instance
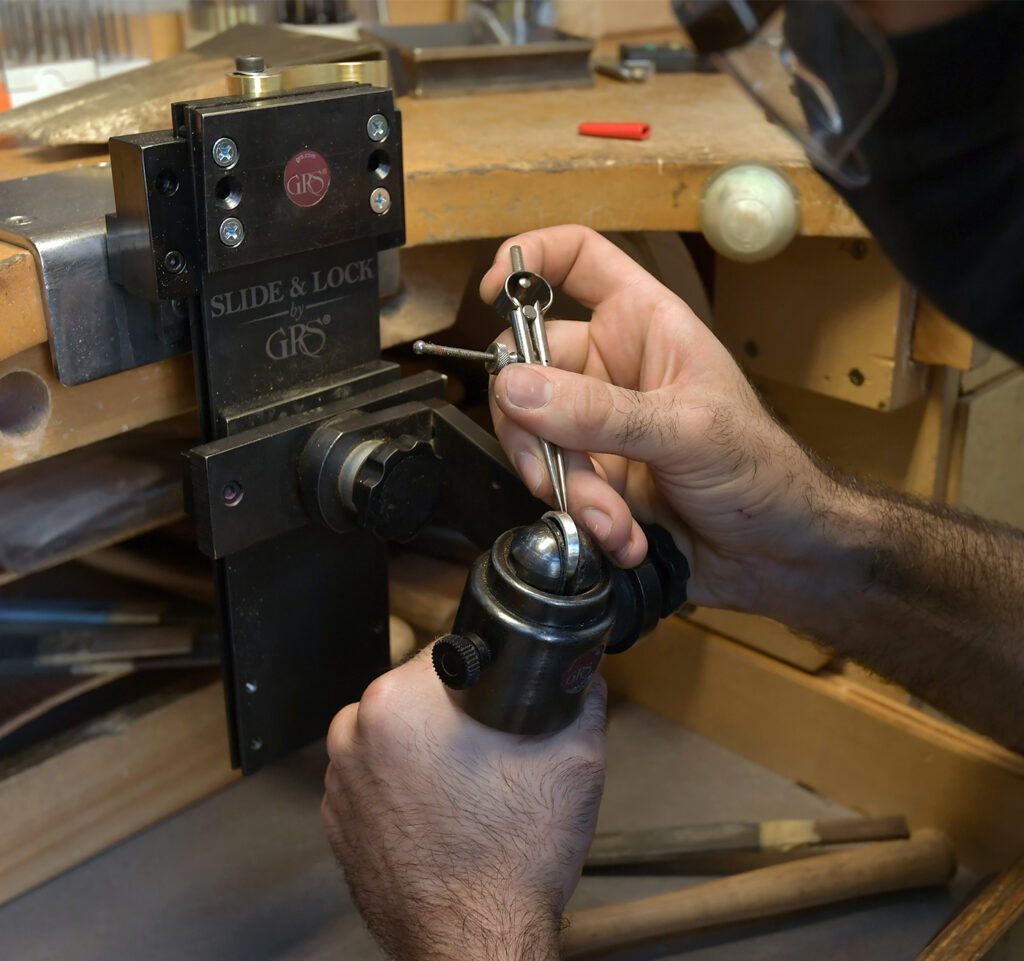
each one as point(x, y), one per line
point(571, 539)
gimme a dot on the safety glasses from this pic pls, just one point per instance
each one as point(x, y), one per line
point(819, 68)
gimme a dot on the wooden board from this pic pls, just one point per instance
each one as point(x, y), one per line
point(424, 591)
point(838, 738)
point(907, 448)
point(26, 699)
point(433, 282)
point(80, 415)
point(764, 635)
point(494, 165)
point(987, 475)
point(599, 18)
point(132, 771)
point(991, 927)
point(829, 316)
point(22, 321)
point(938, 340)
point(992, 367)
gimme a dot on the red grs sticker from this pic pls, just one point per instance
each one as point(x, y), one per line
point(306, 178)
point(578, 674)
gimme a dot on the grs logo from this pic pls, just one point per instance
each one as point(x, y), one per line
point(306, 178)
point(307, 182)
point(306, 337)
point(578, 674)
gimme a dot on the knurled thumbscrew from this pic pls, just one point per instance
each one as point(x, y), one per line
point(495, 358)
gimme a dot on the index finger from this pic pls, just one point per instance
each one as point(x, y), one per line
point(587, 266)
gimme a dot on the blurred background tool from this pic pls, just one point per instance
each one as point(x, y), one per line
point(43, 636)
point(486, 55)
point(623, 849)
point(54, 45)
point(925, 859)
point(635, 71)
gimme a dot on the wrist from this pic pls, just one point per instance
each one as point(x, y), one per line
point(486, 931)
point(827, 555)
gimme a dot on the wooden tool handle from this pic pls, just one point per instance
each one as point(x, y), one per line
point(925, 859)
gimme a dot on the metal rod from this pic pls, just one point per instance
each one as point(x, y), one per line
point(517, 259)
point(440, 350)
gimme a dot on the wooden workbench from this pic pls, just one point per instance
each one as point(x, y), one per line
point(492, 166)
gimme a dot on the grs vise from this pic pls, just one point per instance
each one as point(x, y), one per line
point(254, 232)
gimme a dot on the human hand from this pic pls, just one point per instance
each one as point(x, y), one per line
point(657, 421)
point(459, 842)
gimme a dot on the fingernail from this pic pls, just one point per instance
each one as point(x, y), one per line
point(526, 388)
point(530, 470)
point(598, 523)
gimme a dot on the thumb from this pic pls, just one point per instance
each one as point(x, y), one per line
point(583, 413)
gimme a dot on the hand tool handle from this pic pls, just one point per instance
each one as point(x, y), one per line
point(925, 859)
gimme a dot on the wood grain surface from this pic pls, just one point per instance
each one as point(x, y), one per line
point(989, 927)
point(834, 735)
point(490, 166)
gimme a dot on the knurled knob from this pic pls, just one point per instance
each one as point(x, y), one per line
point(671, 565)
point(456, 661)
point(398, 488)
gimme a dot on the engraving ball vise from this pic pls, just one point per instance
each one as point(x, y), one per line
point(529, 635)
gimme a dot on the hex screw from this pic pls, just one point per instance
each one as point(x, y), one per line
point(377, 128)
point(232, 233)
point(256, 743)
point(225, 152)
point(380, 201)
point(250, 687)
point(856, 377)
point(19, 220)
point(232, 494)
point(174, 261)
point(250, 64)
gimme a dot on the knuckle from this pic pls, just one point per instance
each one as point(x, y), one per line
point(593, 409)
point(340, 733)
point(378, 699)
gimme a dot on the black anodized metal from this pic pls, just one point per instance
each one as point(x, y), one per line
point(271, 133)
point(151, 241)
point(309, 630)
point(294, 304)
point(263, 463)
point(271, 326)
point(544, 648)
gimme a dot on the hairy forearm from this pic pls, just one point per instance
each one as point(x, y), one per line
point(926, 596)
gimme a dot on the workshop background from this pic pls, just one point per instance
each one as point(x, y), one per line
point(124, 830)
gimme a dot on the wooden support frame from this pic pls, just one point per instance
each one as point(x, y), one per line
point(834, 735)
point(122, 777)
point(824, 315)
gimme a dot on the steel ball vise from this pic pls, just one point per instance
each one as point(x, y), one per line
point(538, 612)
